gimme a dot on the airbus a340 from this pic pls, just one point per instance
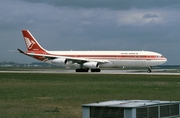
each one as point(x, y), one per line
point(91, 60)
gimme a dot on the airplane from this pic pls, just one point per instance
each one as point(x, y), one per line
point(91, 60)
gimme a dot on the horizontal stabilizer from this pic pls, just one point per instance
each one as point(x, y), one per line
point(21, 51)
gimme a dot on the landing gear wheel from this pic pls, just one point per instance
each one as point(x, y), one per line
point(95, 70)
point(149, 70)
point(82, 70)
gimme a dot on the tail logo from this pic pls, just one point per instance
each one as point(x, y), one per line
point(29, 43)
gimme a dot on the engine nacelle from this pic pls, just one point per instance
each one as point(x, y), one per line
point(92, 65)
point(59, 61)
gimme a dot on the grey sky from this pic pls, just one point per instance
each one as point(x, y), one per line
point(91, 25)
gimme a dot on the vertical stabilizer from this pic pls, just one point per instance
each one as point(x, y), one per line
point(31, 43)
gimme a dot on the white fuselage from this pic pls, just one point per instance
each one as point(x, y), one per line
point(117, 58)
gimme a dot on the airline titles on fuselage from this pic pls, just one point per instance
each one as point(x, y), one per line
point(129, 53)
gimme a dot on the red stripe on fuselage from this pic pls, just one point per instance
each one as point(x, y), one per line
point(114, 57)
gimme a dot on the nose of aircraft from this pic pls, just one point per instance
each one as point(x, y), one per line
point(165, 59)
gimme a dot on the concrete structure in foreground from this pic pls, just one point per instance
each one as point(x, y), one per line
point(132, 109)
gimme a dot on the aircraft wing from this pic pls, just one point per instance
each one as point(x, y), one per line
point(83, 60)
point(73, 59)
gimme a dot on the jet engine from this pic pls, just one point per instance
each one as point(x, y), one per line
point(92, 65)
point(59, 61)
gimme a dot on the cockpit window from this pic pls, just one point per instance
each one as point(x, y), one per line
point(160, 56)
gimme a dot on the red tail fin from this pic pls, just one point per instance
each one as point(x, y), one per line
point(31, 43)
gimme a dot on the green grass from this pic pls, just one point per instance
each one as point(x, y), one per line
point(62, 95)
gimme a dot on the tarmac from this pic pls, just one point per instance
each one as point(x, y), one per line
point(139, 72)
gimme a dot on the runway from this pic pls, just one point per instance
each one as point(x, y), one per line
point(61, 71)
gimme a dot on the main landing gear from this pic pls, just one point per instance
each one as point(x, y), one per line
point(149, 69)
point(82, 70)
point(87, 69)
point(96, 70)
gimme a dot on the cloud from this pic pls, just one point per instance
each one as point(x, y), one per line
point(110, 4)
point(139, 17)
point(91, 25)
point(150, 15)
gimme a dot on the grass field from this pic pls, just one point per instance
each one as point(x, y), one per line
point(62, 95)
